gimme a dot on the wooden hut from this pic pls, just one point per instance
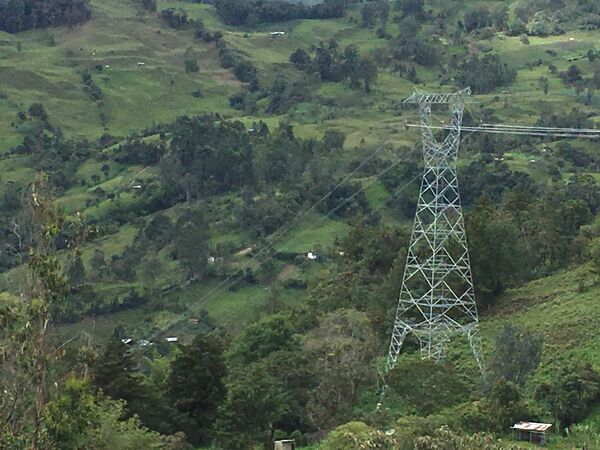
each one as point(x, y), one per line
point(531, 431)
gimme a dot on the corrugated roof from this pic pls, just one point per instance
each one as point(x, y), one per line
point(531, 426)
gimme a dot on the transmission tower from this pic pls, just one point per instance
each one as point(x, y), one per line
point(437, 299)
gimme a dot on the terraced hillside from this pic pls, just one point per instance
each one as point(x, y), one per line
point(229, 174)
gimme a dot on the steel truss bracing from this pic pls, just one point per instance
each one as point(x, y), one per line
point(437, 299)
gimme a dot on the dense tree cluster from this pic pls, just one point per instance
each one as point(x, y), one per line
point(484, 74)
point(210, 156)
point(20, 15)
point(375, 12)
point(242, 68)
point(139, 152)
point(413, 8)
point(571, 394)
point(413, 44)
point(253, 12)
point(48, 149)
point(90, 87)
point(534, 232)
point(535, 18)
point(176, 18)
point(333, 64)
point(198, 202)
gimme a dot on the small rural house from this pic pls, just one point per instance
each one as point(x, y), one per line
point(286, 444)
point(531, 431)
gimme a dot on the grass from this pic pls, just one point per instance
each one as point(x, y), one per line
point(46, 66)
point(118, 37)
point(563, 308)
point(315, 232)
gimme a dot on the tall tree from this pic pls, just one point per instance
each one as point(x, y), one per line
point(116, 374)
point(517, 353)
point(46, 287)
point(570, 393)
point(497, 248)
point(195, 383)
point(268, 335)
point(255, 401)
point(191, 242)
point(340, 349)
point(368, 70)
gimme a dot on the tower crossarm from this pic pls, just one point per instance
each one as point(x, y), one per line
point(420, 97)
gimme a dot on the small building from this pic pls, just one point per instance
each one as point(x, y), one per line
point(312, 256)
point(245, 252)
point(531, 431)
point(285, 444)
point(171, 339)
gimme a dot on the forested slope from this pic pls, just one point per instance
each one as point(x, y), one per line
point(238, 175)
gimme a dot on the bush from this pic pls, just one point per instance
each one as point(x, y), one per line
point(517, 353)
point(175, 18)
point(191, 66)
point(571, 393)
point(355, 435)
point(427, 386)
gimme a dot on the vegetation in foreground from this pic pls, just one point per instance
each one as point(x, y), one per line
point(194, 220)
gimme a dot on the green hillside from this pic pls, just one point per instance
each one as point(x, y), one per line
point(198, 153)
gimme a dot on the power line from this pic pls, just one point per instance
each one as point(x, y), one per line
point(532, 131)
point(296, 219)
point(537, 127)
point(306, 262)
point(230, 281)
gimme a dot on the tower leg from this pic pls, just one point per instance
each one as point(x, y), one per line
point(474, 339)
point(398, 335)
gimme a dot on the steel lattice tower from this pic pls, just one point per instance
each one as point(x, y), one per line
point(437, 299)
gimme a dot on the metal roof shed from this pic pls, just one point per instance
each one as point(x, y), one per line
point(286, 444)
point(531, 431)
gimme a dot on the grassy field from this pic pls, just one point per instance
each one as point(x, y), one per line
point(564, 308)
point(46, 66)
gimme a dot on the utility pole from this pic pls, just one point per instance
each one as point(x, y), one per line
point(437, 299)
